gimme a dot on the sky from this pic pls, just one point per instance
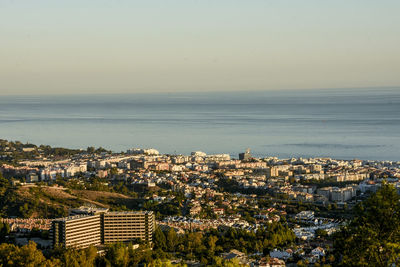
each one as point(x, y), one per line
point(98, 46)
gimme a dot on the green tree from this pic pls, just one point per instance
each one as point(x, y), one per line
point(25, 256)
point(228, 263)
point(4, 230)
point(79, 258)
point(194, 243)
point(4, 184)
point(160, 242)
point(321, 233)
point(172, 240)
point(372, 238)
point(90, 149)
point(118, 255)
point(211, 241)
point(165, 263)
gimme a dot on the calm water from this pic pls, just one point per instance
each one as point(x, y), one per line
point(345, 123)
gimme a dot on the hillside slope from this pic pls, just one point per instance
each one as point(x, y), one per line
point(52, 202)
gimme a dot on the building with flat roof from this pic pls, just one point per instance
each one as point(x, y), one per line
point(246, 155)
point(77, 231)
point(338, 194)
point(128, 226)
point(93, 229)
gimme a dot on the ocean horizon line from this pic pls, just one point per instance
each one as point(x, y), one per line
point(246, 91)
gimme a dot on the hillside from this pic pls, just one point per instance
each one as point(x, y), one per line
point(51, 202)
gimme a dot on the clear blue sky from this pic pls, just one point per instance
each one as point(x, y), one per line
point(82, 46)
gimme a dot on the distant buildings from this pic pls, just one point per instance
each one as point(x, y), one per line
point(198, 154)
point(139, 151)
point(246, 155)
point(337, 194)
point(305, 215)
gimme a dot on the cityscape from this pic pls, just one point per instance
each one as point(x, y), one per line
point(95, 198)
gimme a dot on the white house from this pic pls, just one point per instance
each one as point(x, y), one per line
point(281, 254)
point(318, 252)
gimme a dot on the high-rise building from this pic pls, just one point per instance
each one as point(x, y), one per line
point(94, 229)
point(127, 226)
point(77, 231)
point(271, 172)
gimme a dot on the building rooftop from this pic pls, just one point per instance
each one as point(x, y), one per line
point(129, 212)
point(81, 216)
point(71, 218)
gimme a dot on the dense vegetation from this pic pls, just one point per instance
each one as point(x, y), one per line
point(119, 255)
point(45, 202)
point(206, 246)
point(33, 201)
point(372, 238)
point(232, 186)
point(13, 152)
point(195, 246)
point(42, 201)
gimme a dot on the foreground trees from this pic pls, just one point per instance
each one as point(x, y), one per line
point(193, 246)
point(372, 238)
point(207, 246)
point(27, 256)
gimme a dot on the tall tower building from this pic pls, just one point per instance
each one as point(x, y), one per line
point(246, 155)
point(77, 231)
point(127, 226)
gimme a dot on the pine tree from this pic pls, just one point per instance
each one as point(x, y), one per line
point(372, 238)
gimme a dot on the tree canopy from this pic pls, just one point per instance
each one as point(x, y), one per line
point(372, 238)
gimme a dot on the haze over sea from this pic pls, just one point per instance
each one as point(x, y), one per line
point(337, 123)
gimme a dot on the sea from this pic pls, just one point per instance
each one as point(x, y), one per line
point(362, 123)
